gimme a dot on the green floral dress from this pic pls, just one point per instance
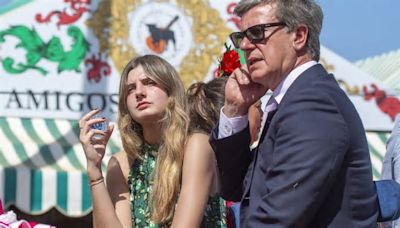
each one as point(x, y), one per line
point(140, 181)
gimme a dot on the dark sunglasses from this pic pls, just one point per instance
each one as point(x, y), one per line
point(255, 33)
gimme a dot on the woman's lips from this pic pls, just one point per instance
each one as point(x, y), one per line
point(142, 105)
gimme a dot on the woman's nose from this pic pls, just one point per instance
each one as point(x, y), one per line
point(140, 90)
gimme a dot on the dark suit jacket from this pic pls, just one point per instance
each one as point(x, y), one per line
point(312, 167)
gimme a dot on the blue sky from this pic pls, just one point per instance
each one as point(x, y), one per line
point(358, 29)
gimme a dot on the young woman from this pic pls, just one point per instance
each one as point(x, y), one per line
point(199, 176)
point(143, 180)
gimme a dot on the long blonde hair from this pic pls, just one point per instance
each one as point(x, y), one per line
point(174, 127)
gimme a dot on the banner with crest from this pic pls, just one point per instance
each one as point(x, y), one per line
point(61, 58)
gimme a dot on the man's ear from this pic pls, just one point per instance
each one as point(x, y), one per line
point(300, 37)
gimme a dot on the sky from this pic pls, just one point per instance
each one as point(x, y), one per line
point(358, 29)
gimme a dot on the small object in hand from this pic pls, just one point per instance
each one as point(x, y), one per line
point(102, 126)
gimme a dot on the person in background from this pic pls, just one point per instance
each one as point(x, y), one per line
point(200, 182)
point(311, 167)
point(391, 163)
point(256, 119)
point(143, 180)
point(255, 116)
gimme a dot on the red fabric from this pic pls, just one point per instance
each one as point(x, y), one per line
point(1, 208)
point(33, 224)
point(230, 220)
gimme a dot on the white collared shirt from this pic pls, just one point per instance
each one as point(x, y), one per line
point(230, 126)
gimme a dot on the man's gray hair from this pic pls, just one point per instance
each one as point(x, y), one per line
point(293, 13)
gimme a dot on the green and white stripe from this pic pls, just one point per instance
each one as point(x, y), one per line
point(377, 149)
point(385, 67)
point(42, 165)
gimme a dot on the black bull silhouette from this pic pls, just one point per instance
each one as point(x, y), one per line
point(158, 34)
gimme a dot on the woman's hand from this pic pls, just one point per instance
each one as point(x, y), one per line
point(93, 147)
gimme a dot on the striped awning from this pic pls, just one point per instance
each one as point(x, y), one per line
point(385, 67)
point(377, 149)
point(42, 164)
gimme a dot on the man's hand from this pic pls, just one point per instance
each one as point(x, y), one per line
point(241, 92)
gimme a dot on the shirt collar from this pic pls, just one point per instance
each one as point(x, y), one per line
point(284, 85)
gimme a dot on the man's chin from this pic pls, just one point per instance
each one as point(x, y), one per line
point(257, 77)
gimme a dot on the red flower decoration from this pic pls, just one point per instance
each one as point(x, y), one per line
point(230, 61)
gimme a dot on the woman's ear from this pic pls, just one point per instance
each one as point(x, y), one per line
point(300, 37)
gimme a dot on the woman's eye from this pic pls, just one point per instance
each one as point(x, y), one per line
point(131, 89)
point(149, 82)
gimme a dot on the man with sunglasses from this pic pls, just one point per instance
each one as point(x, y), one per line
point(311, 167)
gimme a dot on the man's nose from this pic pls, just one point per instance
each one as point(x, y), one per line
point(246, 44)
